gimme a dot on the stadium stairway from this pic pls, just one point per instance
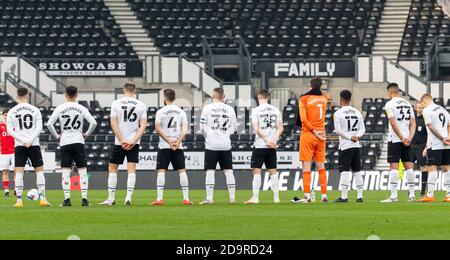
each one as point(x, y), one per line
point(391, 29)
point(132, 28)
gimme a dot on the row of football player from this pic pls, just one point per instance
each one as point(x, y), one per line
point(128, 120)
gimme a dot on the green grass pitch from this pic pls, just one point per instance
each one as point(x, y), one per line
point(223, 221)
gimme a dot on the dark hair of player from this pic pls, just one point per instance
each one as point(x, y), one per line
point(5, 111)
point(22, 92)
point(316, 83)
point(219, 91)
point(71, 91)
point(169, 95)
point(393, 87)
point(130, 87)
point(346, 95)
point(264, 93)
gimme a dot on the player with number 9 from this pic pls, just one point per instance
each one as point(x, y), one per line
point(128, 122)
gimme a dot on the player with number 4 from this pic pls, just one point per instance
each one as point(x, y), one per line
point(128, 121)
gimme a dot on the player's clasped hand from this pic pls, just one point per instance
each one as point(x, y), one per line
point(320, 135)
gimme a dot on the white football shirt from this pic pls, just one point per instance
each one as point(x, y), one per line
point(439, 118)
point(128, 111)
point(349, 122)
point(172, 119)
point(24, 123)
point(267, 117)
point(71, 117)
point(403, 112)
point(218, 123)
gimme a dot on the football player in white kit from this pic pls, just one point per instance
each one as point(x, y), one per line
point(171, 124)
point(402, 128)
point(24, 123)
point(268, 124)
point(128, 121)
point(437, 120)
point(218, 123)
point(71, 117)
point(349, 125)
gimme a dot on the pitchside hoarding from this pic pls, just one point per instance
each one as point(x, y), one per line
point(290, 180)
point(92, 68)
point(307, 69)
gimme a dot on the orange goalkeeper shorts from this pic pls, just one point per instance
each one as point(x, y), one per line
point(312, 148)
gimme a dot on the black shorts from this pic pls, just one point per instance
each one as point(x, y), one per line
point(223, 158)
point(23, 154)
point(438, 157)
point(264, 156)
point(397, 152)
point(417, 155)
point(118, 155)
point(350, 160)
point(168, 156)
point(73, 153)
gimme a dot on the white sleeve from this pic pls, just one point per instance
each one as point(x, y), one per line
point(254, 116)
point(204, 121)
point(185, 119)
point(413, 115)
point(91, 120)
point(11, 130)
point(338, 129)
point(280, 117)
point(233, 127)
point(114, 110)
point(390, 111)
point(144, 113)
point(51, 123)
point(158, 117)
point(362, 126)
point(427, 117)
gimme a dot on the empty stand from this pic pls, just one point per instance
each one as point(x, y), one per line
point(61, 29)
point(271, 28)
point(426, 21)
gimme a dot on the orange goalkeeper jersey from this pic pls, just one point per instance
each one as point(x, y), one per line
point(313, 109)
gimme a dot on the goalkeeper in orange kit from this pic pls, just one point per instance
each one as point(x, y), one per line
point(313, 107)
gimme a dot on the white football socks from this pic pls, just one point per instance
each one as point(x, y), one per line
point(40, 183)
point(447, 183)
point(112, 186)
point(131, 183)
point(275, 182)
point(66, 182)
point(411, 179)
point(359, 181)
point(210, 183)
point(19, 186)
point(394, 178)
point(345, 184)
point(432, 180)
point(160, 184)
point(231, 183)
point(84, 183)
point(184, 182)
point(257, 182)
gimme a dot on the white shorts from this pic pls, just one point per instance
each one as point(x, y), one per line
point(6, 161)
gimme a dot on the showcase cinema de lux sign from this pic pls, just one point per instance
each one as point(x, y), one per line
point(128, 68)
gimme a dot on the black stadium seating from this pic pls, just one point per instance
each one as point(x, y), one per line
point(61, 29)
point(426, 21)
point(271, 28)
